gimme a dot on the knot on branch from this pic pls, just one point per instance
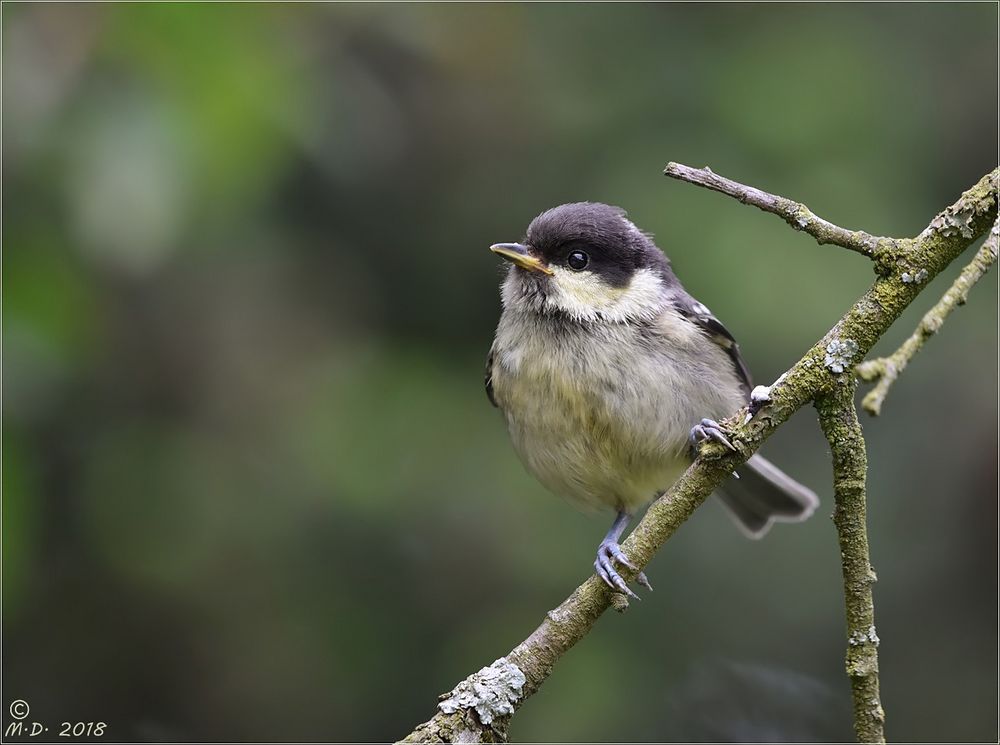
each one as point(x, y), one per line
point(871, 370)
point(932, 324)
point(619, 602)
point(492, 692)
point(861, 665)
point(876, 712)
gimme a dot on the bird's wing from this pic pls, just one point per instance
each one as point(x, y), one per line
point(703, 318)
point(488, 379)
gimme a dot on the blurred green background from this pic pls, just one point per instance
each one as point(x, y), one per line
point(252, 487)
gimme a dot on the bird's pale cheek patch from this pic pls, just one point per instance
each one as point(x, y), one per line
point(585, 295)
point(586, 289)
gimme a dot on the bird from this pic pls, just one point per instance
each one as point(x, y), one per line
point(610, 376)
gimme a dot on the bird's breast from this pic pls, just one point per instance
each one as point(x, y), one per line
point(600, 416)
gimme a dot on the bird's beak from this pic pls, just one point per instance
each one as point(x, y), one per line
point(520, 256)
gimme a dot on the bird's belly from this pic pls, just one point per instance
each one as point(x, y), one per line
point(597, 444)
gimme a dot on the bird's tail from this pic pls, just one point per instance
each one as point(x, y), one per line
point(764, 494)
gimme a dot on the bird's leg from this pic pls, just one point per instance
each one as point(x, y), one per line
point(708, 429)
point(609, 552)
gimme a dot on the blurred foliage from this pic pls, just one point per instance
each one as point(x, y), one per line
point(252, 488)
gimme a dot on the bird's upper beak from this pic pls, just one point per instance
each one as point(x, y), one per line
point(521, 256)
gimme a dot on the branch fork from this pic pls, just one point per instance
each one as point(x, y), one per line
point(884, 370)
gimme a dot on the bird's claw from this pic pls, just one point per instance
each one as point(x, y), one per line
point(607, 554)
point(708, 429)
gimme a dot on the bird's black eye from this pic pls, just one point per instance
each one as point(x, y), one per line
point(577, 260)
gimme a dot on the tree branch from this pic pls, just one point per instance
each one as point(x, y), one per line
point(480, 707)
point(839, 420)
point(795, 214)
point(886, 369)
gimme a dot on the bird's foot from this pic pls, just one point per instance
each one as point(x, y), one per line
point(708, 429)
point(607, 554)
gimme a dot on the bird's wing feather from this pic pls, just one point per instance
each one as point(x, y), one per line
point(704, 319)
point(488, 379)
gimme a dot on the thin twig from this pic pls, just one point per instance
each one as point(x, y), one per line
point(480, 707)
point(839, 420)
point(794, 213)
point(886, 369)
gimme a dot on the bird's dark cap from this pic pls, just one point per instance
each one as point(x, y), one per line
point(616, 247)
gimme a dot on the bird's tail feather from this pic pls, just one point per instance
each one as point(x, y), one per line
point(764, 494)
